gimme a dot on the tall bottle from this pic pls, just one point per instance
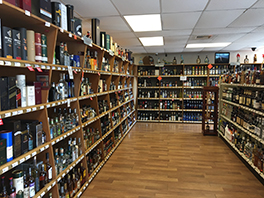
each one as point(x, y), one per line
point(12, 189)
point(42, 177)
point(66, 55)
point(31, 182)
point(61, 88)
point(48, 168)
point(26, 186)
point(4, 193)
point(36, 174)
point(52, 93)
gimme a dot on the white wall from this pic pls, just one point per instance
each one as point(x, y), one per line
point(190, 57)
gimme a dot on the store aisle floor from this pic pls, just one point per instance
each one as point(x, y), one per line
point(173, 161)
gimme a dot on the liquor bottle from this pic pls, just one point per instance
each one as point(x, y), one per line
point(174, 62)
point(36, 174)
point(61, 88)
point(66, 55)
point(78, 182)
point(26, 186)
point(83, 170)
point(4, 193)
point(74, 184)
point(48, 168)
point(246, 60)
point(255, 58)
point(52, 93)
point(42, 177)
point(70, 186)
point(198, 60)
point(80, 146)
point(67, 194)
point(12, 189)
point(80, 177)
point(31, 182)
point(206, 60)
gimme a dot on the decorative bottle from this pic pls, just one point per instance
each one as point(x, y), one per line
point(198, 60)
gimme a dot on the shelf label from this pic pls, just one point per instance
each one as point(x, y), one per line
point(183, 78)
point(1, 122)
point(7, 115)
point(48, 67)
point(27, 13)
point(22, 160)
point(42, 149)
point(27, 157)
point(47, 24)
point(48, 188)
point(14, 113)
point(70, 35)
point(42, 194)
point(1, 2)
point(53, 68)
point(39, 69)
point(30, 68)
point(34, 108)
point(75, 37)
point(61, 30)
point(14, 164)
point(17, 64)
point(47, 146)
point(68, 102)
point(4, 170)
point(43, 66)
point(41, 107)
point(70, 72)
point(59, 68)
point(48, 106)
point(33, 154)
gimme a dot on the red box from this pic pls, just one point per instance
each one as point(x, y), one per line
point(25, 5)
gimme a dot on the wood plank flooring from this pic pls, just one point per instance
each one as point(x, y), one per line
point(173, 161)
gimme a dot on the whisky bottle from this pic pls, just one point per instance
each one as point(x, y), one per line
point(67, 194)
point(42, 177)
point(31, 182)
point(74, 184)
point(26, 186)
point(36, 174)
point(61, 88)
point(12, 189)
point(4, 193)
point(66, 55)
point(48, 168)
point(52, 93)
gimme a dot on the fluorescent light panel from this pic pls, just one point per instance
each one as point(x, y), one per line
point(144, 23)
point(203, 45)
point(152, 41)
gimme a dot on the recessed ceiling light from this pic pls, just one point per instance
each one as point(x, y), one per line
point(144, 23)
point(202, 45)
point(152, 41)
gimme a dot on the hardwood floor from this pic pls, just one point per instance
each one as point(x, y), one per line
point(173, 161)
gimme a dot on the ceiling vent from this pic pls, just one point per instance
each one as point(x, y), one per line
point(203, 37)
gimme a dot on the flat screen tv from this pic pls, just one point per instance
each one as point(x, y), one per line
point(222, 57)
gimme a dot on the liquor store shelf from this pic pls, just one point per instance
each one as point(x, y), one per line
point(193, 87)
point(24, 110)
point(242, 155)
point(100, 140)
point(175, 76)
point(148, 76)
point(170, 109)
point(148, 87)
point(101, 72)
point(192, 99)
point(148, 109)
point(176, 87)
point(191, 122)
point(99, 167)
point(64, 135)
point(243, 107)
point(243, 85)
point(243, 129)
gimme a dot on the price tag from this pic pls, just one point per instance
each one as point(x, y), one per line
point(14, 113)
point(1, 62)
point(58, 179)
point(53, 143)
point(48, 188)
point(75, 37)
point(1, 122)
point(34, 153)
point(53, 183)
point(42, 194)
point(34, 108)
point(63, 69)
point(48, 106)
point(183, 78)
point(39, 69)
point(47, 24)
point(41, 107)
point(59, 68)
point(53, 68)
point(70, 72)
point(22, 160)
point(48, 67)
point(62, 30)
point(53, 104)
point(27, 157)
point(57, 140)
point(70, 35)
point(27, 13)
point(14, 164)
point(1, 2)
point(30, 68)
point(17, 64)
point(63, 174)
point(7, 115)
point(42, 149)
point(43, 66)
point(4, 170)
point(68, 102)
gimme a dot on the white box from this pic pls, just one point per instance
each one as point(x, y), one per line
point(31, 95)
point(64, 24)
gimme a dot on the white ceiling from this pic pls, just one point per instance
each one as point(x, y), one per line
point(240, 22)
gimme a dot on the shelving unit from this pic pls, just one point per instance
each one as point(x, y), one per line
point(13, 17)
point(179, 81)
point(239, 131)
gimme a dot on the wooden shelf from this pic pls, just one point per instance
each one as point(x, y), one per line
point(177, 87)
point(148, 109)
point(244, 85)
point(170, 109)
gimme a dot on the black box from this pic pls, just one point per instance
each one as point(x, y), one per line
point(78, 27)
point(11, 92)
point(2, 152)
point(7, 42)
point(31, 126)
point(15, 127)
point(56, 13)
point(96, 31)
point(16, 36)
point(23, 39)
point(3, 93)
point(70, 18)
point(103, 39)
point(24, 140)
point(42, 8)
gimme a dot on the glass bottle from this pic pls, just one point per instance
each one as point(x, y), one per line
point(4, 193)
point(255, 58)
point(74, 184)
point(52, 128)
point(83, 170)
point(198, 60)
point(12, 189)
point(48, 168)
point(62, 193)
point(61, 88)
point(31, 182)
point(66, 55)
point(52, 93)
point(42, 177)
point(246, 60)
point(26, 186)
point(70, 186)
point(67, 194)
point(36, 174)
point(174, 62)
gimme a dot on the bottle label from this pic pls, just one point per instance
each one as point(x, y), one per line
point(13, 195)
point(19, 184)
point(37, 184)
point(32, 189)
point(26, 192)
point(258, 81)
point(79, 184)
point(84, 173)
point(30, 145)
point(9, 152)
point(50, 173)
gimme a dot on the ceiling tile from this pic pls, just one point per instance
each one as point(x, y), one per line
point(234, 46)
point(180, 20)
point(117, 35)
point(182, 6)
point(229, 5)
point(218, 19)
point(259, 4)
point(212, 49)
point(227, 38)
point(174, 49)
point(250, 37)
point(212, 31)
point(92, 9)
point(155, 49)
point(192, 49)
point(137, 49)
point(252, 17)
point(115, 24)
point(165, 33)
point(137, 6)
point(177, 41)
point(259, 29)
point(128, 42)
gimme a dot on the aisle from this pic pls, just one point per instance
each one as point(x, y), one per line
point(173, 161)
